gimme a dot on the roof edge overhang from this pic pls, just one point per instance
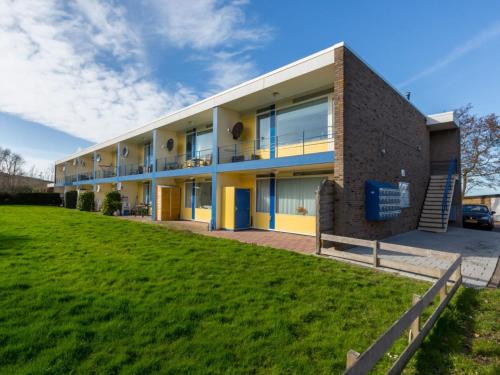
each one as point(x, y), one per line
point(299, 67)
point(442, 121)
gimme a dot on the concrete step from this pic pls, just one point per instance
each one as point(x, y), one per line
point(430, 229)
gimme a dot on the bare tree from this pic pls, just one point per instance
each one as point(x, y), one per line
point(480, 145)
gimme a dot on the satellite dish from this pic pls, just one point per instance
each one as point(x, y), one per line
point(237, 130)
point(64, 168)
point(75, 161)
point(82, 163)
point(98, 188)
point(98, 158)
point(125, 151)
point(118, 186)
point(170, 144)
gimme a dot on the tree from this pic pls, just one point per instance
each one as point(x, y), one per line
point(480, 149)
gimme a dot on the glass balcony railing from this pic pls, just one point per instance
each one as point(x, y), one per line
point(202, 158)
point(105, 172)
point(133, 169)
point(84, 176)
point(291, 144)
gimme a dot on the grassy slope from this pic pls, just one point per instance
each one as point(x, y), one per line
point(466, 339)
point(88, 293)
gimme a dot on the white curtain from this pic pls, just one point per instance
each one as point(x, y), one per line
point(296, 196)
point(263, 196)
point(187, 194)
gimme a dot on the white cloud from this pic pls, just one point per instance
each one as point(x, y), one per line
point(52, 69)
point(202, 24)
point(476, 42)
point(229, 70)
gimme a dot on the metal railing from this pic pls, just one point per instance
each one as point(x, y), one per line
point(105, 172)
point(290, 144)
point(452, 169)
point(133, 169)
point(85, 176)
point(202, 158)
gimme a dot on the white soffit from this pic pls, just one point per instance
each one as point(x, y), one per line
point(442, 121)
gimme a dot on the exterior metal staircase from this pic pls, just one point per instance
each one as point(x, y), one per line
point(438, 199)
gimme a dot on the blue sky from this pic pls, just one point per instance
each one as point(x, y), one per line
point(77, 72)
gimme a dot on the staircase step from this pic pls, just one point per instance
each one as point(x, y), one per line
point(430, 229)
point(431, 225)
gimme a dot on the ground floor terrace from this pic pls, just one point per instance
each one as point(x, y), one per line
point(274, 199)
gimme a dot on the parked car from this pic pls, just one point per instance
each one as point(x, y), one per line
point(478, 216)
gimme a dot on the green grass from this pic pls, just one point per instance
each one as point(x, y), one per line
point(83, 293)
point(466, 339)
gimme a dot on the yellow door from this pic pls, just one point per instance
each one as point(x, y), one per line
point(169, 199)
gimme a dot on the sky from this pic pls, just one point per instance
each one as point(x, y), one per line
point(73, 73)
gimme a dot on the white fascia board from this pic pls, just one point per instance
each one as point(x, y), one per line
point(307, 64)
point(439, 118)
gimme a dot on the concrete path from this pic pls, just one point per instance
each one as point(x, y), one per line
point(480, 251)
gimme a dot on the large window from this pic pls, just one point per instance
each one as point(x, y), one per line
point(204, 195)
point(296, 196)
point(198, 144)
point(188, 194)
point(263, 197)
point(307, 121)
point(146, 193)
point(263, 130)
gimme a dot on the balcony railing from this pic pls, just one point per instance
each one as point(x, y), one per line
point(105, 172)
point(202, 158)
point(133, 169)
point(291, 144)
point(85, 176)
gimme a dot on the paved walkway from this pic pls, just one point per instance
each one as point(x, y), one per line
point(480, 251)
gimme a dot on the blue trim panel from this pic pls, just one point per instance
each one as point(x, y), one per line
point(213, 219)
point(272, 202)
point(289, 161)
point(193, 197)
point(272, 131)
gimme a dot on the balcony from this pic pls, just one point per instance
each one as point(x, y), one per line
point(85, 176)
point(291, 144)
point(105, 172)
point(201, 158)
point(135, 169)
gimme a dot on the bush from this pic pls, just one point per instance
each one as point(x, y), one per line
point(86, 201)
point(112, 202)
point(70, 198)
point(36, 199)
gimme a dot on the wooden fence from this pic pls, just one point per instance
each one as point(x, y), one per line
point(364, 362)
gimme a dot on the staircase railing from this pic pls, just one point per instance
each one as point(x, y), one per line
point(452, 168)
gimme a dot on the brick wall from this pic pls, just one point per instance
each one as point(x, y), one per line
point(371, 117)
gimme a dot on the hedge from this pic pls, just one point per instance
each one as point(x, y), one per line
point(112, 203)
point(86, 201)
point(35, 199)
point(70, 199)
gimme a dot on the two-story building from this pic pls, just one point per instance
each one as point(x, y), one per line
point(254, 155)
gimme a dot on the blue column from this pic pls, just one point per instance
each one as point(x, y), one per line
point(193, 197)
point(272, 201)
point(272, 131)
point(118, 159)
point(153, 179)
point(94, 164)
point(215, 161)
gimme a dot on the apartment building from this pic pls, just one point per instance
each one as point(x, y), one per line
point(253, 156)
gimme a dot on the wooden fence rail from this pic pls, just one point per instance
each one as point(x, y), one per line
point(359, 364)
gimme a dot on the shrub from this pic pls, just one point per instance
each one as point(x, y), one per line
point(36, 199)
point(70, 198)
point(86, 201)
point(112, 202)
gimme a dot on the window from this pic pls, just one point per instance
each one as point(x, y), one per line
point(296, 196)
point(204, 143)
point(204, 195)
point(307, 121)
point(263, 130)
point(187, 194)
point(262, 196)
point(147, 155)
point(190, 144)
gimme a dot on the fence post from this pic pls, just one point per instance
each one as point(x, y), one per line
point(352, 358)
point(376, 247)
point(443, 291)
point(415, 325)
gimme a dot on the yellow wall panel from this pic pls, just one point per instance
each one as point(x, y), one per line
point(296, 224)
point(261, 220)
point(227, 221)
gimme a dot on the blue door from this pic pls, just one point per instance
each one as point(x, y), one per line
point(242, 209)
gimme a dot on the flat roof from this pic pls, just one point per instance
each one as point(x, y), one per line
point(442, 121)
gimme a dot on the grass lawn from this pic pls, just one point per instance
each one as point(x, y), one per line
point(84, 293)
